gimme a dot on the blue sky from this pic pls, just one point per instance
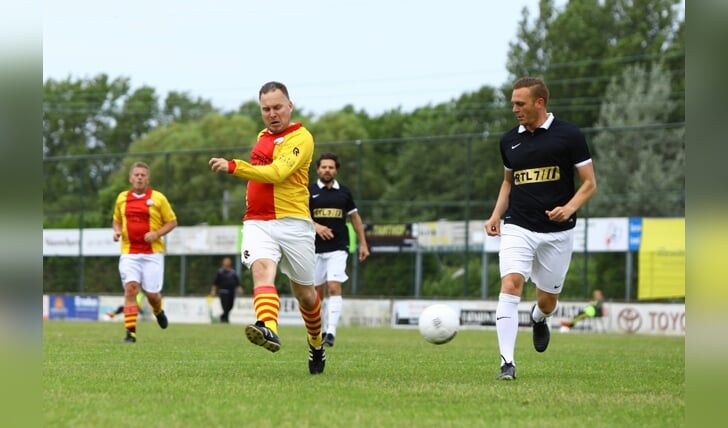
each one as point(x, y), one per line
point(375, 55)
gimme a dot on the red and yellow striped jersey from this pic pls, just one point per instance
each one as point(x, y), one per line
point(277, 174)
point(139, 214)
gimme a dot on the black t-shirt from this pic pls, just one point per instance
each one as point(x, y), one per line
point(331, 207)
point(226, 280)
point(543, 164)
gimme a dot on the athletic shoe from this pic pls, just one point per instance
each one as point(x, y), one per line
point(316, 359)
point(261, 335)
point(507, 372)
point(162, 319)
point(130, 338)
point(541, 333)
point(329, 339)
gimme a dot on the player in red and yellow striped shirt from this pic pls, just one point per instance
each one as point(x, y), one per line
point(277, 226)
point(142, 216)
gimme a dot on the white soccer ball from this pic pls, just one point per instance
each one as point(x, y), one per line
point(438, 323)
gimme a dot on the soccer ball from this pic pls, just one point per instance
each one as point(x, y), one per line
point(438, 323)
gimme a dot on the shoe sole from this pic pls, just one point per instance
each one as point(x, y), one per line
point(257, 337)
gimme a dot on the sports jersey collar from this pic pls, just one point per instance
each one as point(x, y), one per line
point(321, 184)
point(545, 125)
point(141, 195)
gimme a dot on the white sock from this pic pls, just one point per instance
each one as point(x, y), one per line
point(538, 314)
point(334, 309)
point(506, 325)
point(323, 315)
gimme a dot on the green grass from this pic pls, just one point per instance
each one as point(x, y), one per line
point(211, 376)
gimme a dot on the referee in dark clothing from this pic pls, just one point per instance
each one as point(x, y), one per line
point(226, 285)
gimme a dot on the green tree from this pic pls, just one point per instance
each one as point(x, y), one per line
point(433, 175)
point(674, 60)
point(579, 49)
point(378, 154)
point(88, 127)
point(640, 160)
point(345, 133)
point(178, 154)
point(251, 109)
point(529, 55)
point(181, 107)
point(92, 117)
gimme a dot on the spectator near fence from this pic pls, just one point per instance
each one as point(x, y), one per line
point(226, 285)
point(594, 309)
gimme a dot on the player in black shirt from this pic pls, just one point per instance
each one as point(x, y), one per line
point(226, 285)
point(537, 203)
point(331, 203)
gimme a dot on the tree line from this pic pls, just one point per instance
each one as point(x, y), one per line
point(615, 68)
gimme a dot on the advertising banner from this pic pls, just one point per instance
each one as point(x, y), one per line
point(662, 259)
point(607, 234)
point(182, 240)
point(73, 307)
point(391, 238)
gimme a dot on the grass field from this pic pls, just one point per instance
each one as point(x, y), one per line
point(211, 376)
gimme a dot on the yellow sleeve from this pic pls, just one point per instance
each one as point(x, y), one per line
point(120, 199)
point(290, 156)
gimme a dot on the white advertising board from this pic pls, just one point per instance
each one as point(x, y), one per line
point(193, 240)
point(609, 234)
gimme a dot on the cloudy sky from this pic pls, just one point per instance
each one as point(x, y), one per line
point(376, 55)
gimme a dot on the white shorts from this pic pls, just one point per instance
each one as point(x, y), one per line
point(146, 269)
point(542, 257)
point(287, 241)
point(330, 266)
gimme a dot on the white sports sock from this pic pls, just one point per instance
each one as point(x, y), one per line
point(506, 325)
point(335, 303)
point(538, 314)
point(324, 314)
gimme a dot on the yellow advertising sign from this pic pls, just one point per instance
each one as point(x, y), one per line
point(662, 259)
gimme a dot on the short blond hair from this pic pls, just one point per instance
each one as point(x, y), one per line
point(140, 164)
